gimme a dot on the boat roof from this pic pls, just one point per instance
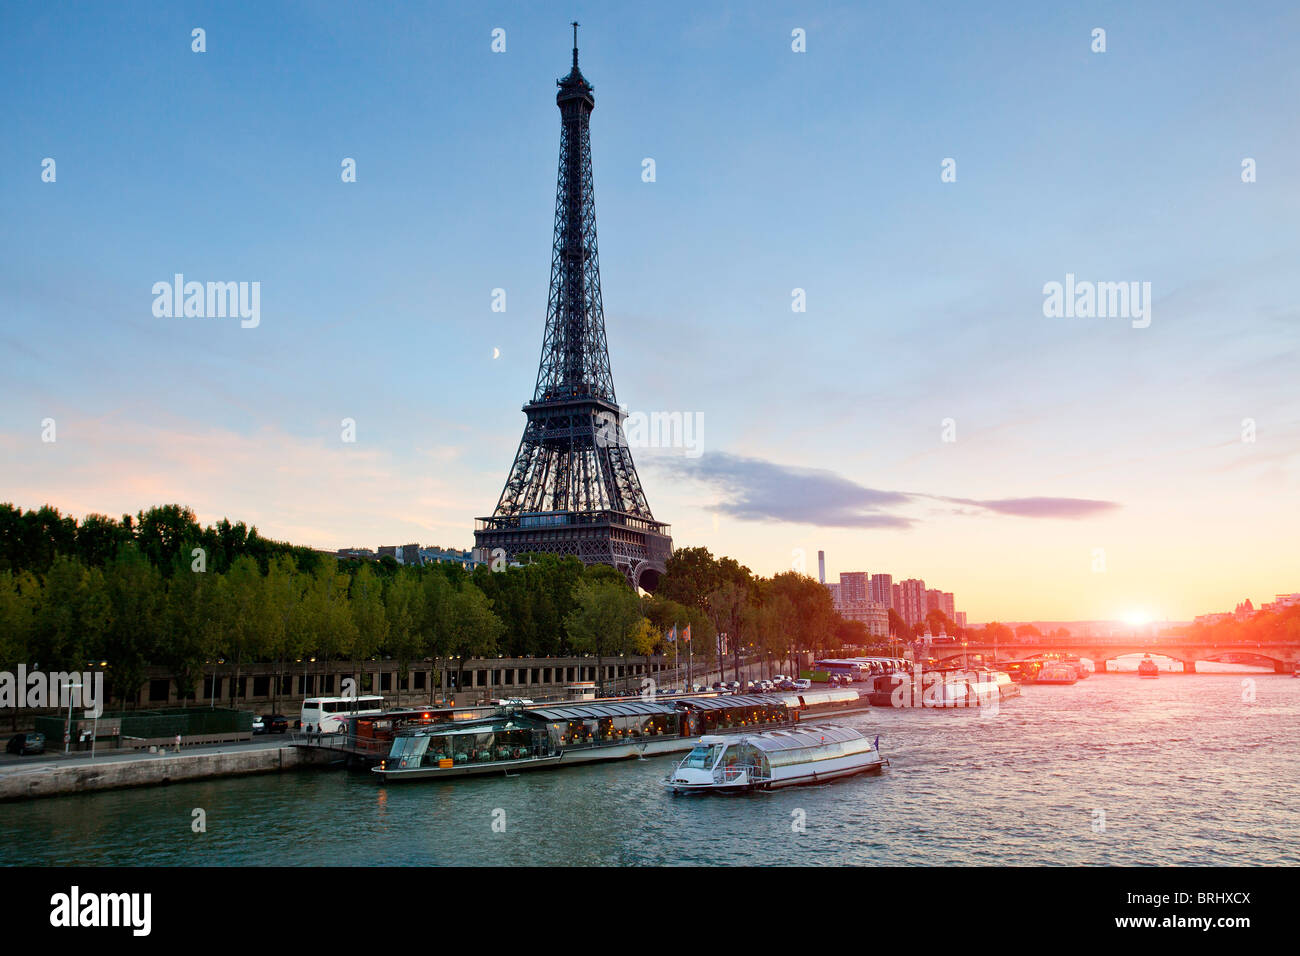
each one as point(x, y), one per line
point(626, 708)
point(794, 739)
point(734, 700)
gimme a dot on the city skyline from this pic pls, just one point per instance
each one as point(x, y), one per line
point(1097, 469)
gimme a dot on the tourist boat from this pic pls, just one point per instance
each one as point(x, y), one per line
point(1056, 672)
point(514, 739)
point(942, 689)
point(1022, 672)
point(1080, 671)
point(773, 759)
point(1147, 667)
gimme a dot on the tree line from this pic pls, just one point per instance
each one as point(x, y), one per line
point(159, 589)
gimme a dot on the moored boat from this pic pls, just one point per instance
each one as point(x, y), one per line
point(513, 739)
point(780, 758)
point(942, 689)
point(1055, 672)
point(1080, 671)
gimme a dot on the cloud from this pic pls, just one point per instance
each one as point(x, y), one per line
point(1041, 507)
point(753, 489)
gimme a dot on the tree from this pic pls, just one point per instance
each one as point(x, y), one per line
point(940, 623)
point(19, 599)
point(248, 629)
point(134, 633)
point(472, 629)
point(726, 607)
point(897, 626)
point(289, 630)
point(691, 575)
point(603, 621)
point(404, 609)
point(183, 647)
point(367, 603)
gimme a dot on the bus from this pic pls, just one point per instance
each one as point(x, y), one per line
point(328, 715)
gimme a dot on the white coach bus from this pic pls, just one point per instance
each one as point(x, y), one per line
point(328, 715)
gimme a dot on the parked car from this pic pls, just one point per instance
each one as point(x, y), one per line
point(734, 686)
point(258, 726)
point(698, 689)
point(30, 743)
point(276, 724)
point(766, 685)
point(779, 678)
point(786, 684)
point(802, 683)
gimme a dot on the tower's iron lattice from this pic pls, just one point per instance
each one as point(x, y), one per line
point(573, 488)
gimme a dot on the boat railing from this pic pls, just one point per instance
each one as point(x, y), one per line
point(733, 773)
point(339, 741)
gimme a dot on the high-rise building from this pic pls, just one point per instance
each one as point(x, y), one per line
point(882, 589)
point(912, 601)
point(821, 566)
point(948, 605)
point(896, 597)
point(854, 586)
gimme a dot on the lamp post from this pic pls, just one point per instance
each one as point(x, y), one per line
point(67, 733)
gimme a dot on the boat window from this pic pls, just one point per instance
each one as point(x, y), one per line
point(407, 751)
point(703, 757)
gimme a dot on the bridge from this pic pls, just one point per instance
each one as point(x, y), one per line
point(1283, 655)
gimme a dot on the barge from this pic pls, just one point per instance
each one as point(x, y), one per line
point(519, 738)
point(943, 689)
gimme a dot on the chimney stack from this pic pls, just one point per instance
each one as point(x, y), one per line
point(821, 566)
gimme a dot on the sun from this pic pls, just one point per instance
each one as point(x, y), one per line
point(1137, 618)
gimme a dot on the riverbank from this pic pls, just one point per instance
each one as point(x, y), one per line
point(54, 777)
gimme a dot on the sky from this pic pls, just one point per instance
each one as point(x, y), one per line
point(922, 416)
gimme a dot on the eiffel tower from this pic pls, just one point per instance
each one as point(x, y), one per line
point(573, 488)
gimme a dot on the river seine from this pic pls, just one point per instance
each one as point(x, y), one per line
point(1183, 770)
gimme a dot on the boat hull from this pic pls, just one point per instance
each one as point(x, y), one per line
point(810, 778)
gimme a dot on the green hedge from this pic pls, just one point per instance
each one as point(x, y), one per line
point(192, 722)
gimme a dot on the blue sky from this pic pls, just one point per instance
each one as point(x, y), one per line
point(775, 170)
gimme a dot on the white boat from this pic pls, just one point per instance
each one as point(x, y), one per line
point(778, 758)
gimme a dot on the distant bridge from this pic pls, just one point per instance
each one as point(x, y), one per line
point(1281, 654)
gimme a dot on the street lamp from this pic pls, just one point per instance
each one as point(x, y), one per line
point(67, 733)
